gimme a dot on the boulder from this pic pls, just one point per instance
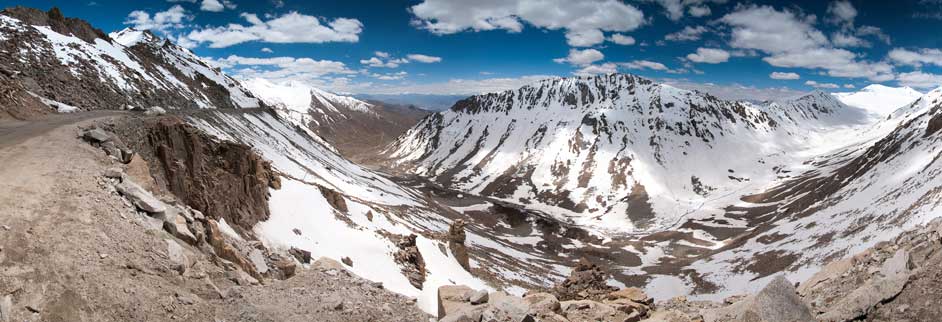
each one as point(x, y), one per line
point(301, 255)
point(111, 149)
point(176, 225)
point(139, 172)
point(452, 298)
point(326, 263)
point(155, 111)
point(898, 264)
point(286, 266)
point(177, 256)
point(258, 259)
point(96, 135)
point(542, 303)
point(113, 173)
point(142, 199)
point(587, 281)
point(6, 308)
point(862, 300)
point(456, 237)
point(777, 302)
point(478, 297)
point(587, 310)
point(465, 314)
point(241, 278)
point(633, 294)
point(346, 261)
point(832, 270)
point(503, 307)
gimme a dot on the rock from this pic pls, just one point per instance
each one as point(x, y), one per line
point(326, 263)
point(139, 172)
point(451, 298)
point(223, 249)
point(335, 199)
point(898, 264)
point(507, 308)
point(187, 299)
point(832, 270)
point(777, 302)
point(155, 111)
point(142, 199)
point(112, 150)
point(177, 256)
point(175, 224)
point(862, 300)
point(96, 135)
point(478, 297)
point(347, 261)
point(633, 294)
point(102, 255)
point(456, 238)
point(286, 266)
point(242, 278)
point(542, 304)
point(465, 314)
point(669, 316)
point(113, 173)
point(6, 308)
point(258, 259)
point(586, 281)
point(301, 255)
point(337, 305)
point(587, 310)
point(410, 260)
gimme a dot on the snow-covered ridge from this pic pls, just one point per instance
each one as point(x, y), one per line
point(615, 151)
point(879, 99)
point(129, 68)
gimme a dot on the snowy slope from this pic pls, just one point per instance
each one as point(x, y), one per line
point(306, 105)
point(91, 70)
point(616, 151)
point(878, 99)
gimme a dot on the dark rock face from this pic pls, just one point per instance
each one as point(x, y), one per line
point(409, 257)
point(57, 22)
point(335, 199)
point(586, 282)
point(220, 179)
point(456, 238)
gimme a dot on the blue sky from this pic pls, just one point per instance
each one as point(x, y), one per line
point(463, 47)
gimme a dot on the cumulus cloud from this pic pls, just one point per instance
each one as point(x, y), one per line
point(919, 79)
point(917, 58)
point(674, 9)
point(606, 68)
point(784, 76)
point(382, 60)
point(843, 11)
point(622, 39)
point(709, 56)
point(581, 57)
point(687, 34)
point(849, 86)
point(283, 29)
point(651, 65)
point(583, 21)
point(267, 50)
point(173, 18)
point(278, 69)
point(453, 86)
point(216, 5)
point(390, 76)
point(821, 85)
point(424, 58)
point(791, 41)
point(699, 11)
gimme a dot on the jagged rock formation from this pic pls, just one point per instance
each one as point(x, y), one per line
point(456, 238)
point(410, 258)
point(587, 281)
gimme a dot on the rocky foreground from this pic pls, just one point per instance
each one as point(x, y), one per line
point(893, 281)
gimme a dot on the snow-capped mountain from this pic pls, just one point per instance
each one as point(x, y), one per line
point(879, 99)
point(615, 151)
point(66, 60)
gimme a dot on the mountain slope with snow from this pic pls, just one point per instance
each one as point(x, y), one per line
point(68, 61)
point(614, 151)
point(878, 99)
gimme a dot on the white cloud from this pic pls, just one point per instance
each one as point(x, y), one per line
point(652, 65)
point(280, 69)
point(736, 92)
point(589, 70)
point(821, 85)
point(841, 39)
point(283, 29)
point(918, 79)
point(687, 34)
point(216, 5)
point(873, 31)
point(581, 57)
point(709, 56)
point(622, 39)
point(163, 21)
point(390, 76)
point(583, 21)
point(584, 38)
point(849, 86)
point(267, 50)
point(916, 58)
point(784, 76)
point(843, 11)
point(381, 54)
point(793, 42)
point(383, 62)
point(424, 58)
point(699, 11)
point(453, 86)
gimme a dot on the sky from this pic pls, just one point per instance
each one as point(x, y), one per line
point(754, 49)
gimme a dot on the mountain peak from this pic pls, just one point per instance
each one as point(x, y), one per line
point(128, 37)
point(57, 22)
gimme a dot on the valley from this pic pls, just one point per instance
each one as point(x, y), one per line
point(131, 165)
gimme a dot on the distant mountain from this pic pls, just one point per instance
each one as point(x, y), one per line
point(616, 151)
point(356, 128)
point(427, 102)
point(68, 61)
point(878, 99)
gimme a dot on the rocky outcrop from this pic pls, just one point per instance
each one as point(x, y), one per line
point(410, 259)
point(456, 237)
point(777, 302)
point(334, 198)
point(57, 22)
point(586, 281)
point(223, 180)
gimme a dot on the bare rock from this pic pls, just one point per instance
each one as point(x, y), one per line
point(347, 261)
point(155, 111)
point(456, 238)
point(507, 308)
point(177, 256)
point(139, 172)
point(586, 281)
point(6, 308)
point(898, 264)
point(410, 260)
point(175, 224)
point(831, 271)
point(113, 173)
point(633, 294)
point(478, 297)
point(862, 300)
point(465, 314)
point(258, 259)
point(326, 263)
point(142, 199)
point(96, 135)
point(777, 302)
point(335, 199)
point(301, 255)
point(587, 310)
point(542, 304)
point(452, 298)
